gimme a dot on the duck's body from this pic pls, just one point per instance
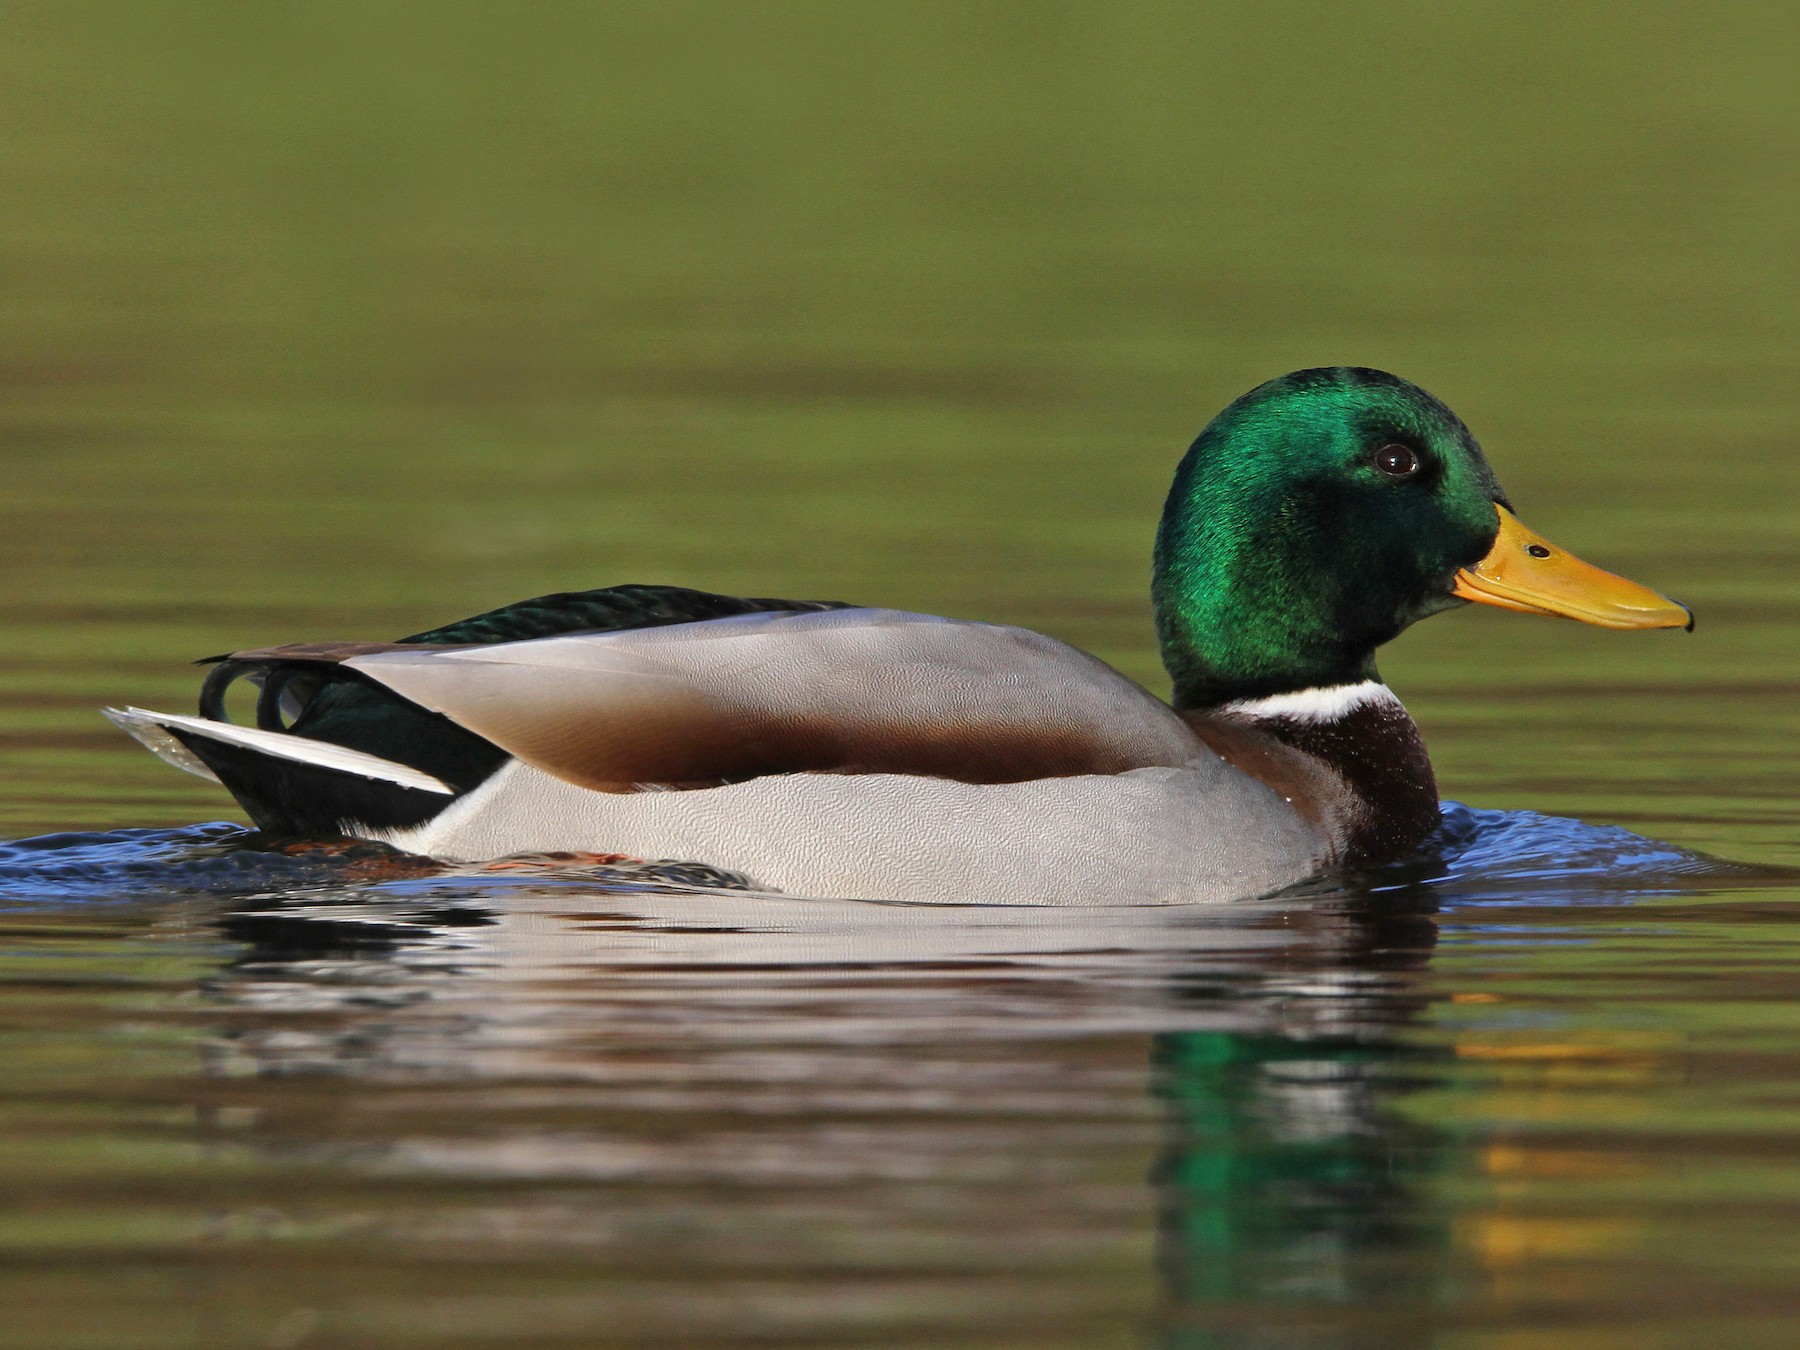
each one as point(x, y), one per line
point(839, 751)
point(1208, 830)
point(1140, 837)
point(826, 749)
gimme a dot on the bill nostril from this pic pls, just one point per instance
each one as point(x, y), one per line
point(1537, 550)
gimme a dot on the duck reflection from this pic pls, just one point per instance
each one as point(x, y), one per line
point(1292, 1193)
point(939, 1095)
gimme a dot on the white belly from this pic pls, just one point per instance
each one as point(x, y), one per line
point(1207, 833)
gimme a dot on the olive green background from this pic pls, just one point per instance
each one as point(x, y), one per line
point(337, 320)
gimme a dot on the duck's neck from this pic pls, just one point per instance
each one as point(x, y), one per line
point(1231, 667)
point(1245, 606)
point(1347, 754)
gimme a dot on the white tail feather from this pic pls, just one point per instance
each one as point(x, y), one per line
point(143, 728)
point(152, 730)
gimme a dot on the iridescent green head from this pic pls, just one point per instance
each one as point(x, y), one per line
point(1312, 521)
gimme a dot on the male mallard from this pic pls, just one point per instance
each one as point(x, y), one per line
point(830, 749)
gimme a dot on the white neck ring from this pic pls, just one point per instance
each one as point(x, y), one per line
point(1326, 704)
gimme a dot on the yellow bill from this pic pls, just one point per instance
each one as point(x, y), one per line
point(1526, 572)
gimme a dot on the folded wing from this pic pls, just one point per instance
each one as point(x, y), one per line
point(847, 690)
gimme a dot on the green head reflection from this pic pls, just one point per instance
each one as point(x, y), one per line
point(1291, 1192)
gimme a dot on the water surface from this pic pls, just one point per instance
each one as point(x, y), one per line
point(277, 1101)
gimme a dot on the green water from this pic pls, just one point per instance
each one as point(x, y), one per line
point(343, 320)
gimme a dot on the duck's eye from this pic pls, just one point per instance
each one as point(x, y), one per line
point(1396, 461)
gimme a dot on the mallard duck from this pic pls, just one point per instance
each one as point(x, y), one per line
point(829, 749)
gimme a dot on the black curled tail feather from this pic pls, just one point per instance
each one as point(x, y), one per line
point(225, 673)
point(284, 690)
point(329, 702)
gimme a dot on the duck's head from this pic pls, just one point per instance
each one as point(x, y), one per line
point(1323, 512)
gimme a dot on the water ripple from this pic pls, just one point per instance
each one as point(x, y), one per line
point(1477, 855)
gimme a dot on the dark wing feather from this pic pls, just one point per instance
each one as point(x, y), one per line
point(607, 610)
